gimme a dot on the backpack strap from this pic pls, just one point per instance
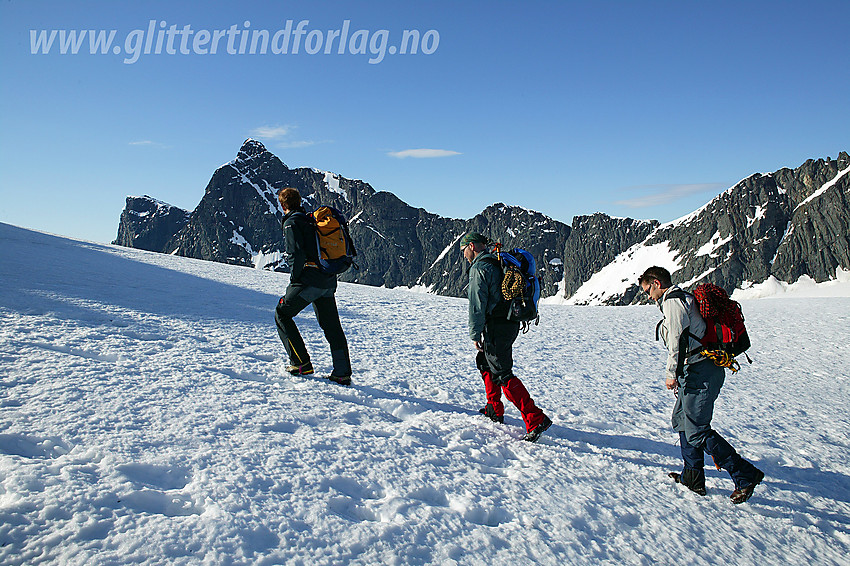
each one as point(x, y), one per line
point(677, 294)
point(493, 261)
point(500, 310)
point(686, 332)
point(674, 294)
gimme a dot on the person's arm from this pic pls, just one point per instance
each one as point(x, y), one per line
point(676, 324)
point(295, 256)
point(478, 296)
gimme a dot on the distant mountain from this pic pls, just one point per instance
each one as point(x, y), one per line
point(238, 221)
point(595, 241)
point(784, 224)
point(149, 224)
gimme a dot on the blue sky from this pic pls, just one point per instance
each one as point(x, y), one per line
point(640, 109)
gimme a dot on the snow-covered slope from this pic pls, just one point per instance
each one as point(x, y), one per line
point(145, 418)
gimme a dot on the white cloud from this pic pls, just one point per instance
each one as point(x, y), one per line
point(296, 144)
point(282, 136)
point(668, 193)
point(147, 143)
point(271, 132)
point(423, 153)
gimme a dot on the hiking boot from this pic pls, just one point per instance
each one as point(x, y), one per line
point(534, 435)
point(339, 379)
point(741, 494)
point(303, 369)
point(691, 478)
point(490, 413)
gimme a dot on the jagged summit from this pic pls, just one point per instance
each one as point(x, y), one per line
point(785, 224)
point(250, 148)
point(149, 199)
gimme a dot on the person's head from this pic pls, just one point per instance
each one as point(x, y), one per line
point(289, 198)
point(655, 281)
point(473, 244)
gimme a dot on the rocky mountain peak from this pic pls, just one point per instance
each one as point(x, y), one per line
point(785, 224)
point(148, 223)
point(250, 148)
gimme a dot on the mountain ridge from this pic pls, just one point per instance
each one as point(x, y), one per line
point(238, 221)
point(762, 226)
point(784, 224)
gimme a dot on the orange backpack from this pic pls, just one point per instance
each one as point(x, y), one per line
point(335, 248)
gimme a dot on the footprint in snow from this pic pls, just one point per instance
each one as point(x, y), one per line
point(350, 509)
point(97, 530)
point(284, 427)
point(156, 476)
point(154, 482)
point(32, 447)
point(260, 357)
point(77, 352)
point(352, 488)
point(430, 496)
point(233, 374)
point(349, 504)
point(159, 503)
point(144, 336)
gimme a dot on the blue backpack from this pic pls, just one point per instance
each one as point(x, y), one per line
point(520, 285)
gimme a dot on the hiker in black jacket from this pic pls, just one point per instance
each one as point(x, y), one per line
point(308, 285)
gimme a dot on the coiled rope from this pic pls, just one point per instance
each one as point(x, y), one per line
point(723, 359)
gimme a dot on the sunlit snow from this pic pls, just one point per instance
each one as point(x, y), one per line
point(145, 417)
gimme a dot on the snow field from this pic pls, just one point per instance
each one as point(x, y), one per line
point(145, 417)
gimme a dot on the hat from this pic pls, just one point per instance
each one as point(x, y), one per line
point(473, 238)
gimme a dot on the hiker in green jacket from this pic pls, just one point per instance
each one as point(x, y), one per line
point(493, 335)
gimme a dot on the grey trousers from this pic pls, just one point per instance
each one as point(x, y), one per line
point(698, 390)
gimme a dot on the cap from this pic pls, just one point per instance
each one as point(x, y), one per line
point(473, 238)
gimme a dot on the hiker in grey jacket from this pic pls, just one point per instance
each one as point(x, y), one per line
point(493, 335)
point(696, 381)
point(682, 322)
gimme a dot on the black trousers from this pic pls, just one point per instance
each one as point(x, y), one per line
point(498, 340)
point(295, 300)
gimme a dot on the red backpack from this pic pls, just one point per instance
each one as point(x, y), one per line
point(725, 333)
point(724, 316)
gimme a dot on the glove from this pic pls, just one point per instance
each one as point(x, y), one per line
point(481, 362)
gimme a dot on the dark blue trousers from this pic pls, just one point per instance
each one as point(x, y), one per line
point(698, 390)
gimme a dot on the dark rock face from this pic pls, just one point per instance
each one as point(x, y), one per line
point(817, 240)
point(446, 270)
point(148, 224)
point(544, 237)
point(238, 222)
point(594, 243)
point(784, 224)
point(239, 210)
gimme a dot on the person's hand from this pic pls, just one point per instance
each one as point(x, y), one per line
point(671, 383)
point(478, 346)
